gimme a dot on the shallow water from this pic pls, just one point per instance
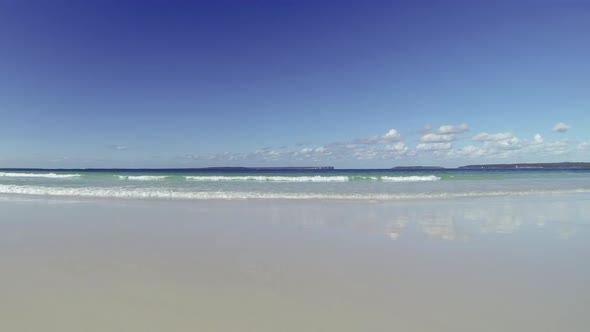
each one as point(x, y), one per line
point(384, 185)
point(477, 264)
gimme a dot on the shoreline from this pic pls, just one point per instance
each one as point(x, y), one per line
point(107, 194)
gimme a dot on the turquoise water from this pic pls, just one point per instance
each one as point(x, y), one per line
point(321, 184)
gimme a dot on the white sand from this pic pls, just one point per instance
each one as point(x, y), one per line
point(518, 264)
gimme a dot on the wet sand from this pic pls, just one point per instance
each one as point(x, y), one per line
point(488, 264)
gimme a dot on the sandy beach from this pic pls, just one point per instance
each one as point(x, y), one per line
point(493, 264)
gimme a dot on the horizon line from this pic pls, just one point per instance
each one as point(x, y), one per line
point(299, 168)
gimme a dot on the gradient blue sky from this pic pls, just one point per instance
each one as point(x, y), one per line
point(267, 83)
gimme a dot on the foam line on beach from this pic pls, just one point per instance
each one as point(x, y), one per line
point(39, 175)
point(138, 193)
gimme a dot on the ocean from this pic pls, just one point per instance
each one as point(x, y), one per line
point(357, 184)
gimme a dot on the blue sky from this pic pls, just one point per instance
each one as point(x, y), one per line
point(270, 83)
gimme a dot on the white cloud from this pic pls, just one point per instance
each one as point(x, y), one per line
point(397, 151)
point(453, 129)
point(446, 133)
point(561, 127)
point(467, 152)
point(433, 146)
point(397, 147)
point(437, 138)
point(485, 137)
point(392, 135)
point(366, 154)
point(367, 140)
point(502, 146)
point(513, 143)
point(436, 143)
point(498, 145)
point(306, 150)
point(556, 148)
point(505, 145)
point(118, 147)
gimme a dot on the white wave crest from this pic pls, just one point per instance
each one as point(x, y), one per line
point(316, 178)
point(39, 175)
point(141, 177)
point(137, 193)
point(415, 178)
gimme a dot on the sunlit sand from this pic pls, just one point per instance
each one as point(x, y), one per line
point(489, 264)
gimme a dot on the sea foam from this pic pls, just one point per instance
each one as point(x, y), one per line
point(141, 177)
point(238, 178)
point(317, 178)
point(261, 178)
point(39, 175)
point(153, 193)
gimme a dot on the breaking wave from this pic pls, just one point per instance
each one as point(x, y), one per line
point(153, 193)
point(316, 178)
point(141, 177)
point(234, 178)
point(39, 175)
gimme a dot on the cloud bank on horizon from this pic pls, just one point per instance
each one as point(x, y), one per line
point(446, 145)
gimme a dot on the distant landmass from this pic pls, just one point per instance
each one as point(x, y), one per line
point(205, 169)
point(564, 165)
point(417, 167)
point(310, 168)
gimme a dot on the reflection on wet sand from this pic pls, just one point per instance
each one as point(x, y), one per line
point(466, 221)
point(447, 220)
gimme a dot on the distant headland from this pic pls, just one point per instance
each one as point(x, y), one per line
point(418, 167)
point(204, 169)
point(289, 168)
point(564, 165)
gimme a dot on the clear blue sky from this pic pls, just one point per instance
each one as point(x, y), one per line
point(211, 83)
